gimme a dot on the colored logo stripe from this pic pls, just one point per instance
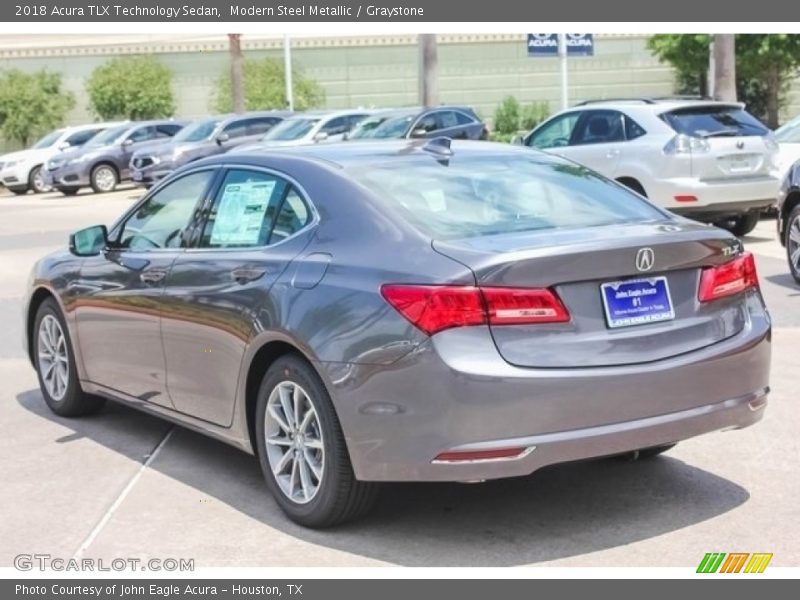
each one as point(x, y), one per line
point(758, 562)
point(713, 562)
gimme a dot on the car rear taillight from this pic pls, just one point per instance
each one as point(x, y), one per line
point(686, 144)
point(728, 279)
point(433, 308)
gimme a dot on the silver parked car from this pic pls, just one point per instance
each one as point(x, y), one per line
point(403, 311)
point(708, 160)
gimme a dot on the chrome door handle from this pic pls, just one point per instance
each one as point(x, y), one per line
point(152, 277)
point(247, 274)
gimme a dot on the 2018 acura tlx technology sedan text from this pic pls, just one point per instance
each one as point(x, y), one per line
point(403, 311)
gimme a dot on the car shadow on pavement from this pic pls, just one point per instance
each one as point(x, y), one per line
point(557, 512)
point(784, 280)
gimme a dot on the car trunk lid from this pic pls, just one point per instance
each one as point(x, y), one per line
point(577, 263)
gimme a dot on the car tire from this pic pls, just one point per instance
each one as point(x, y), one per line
point(791, 233)
point(69, 191)
point(36, 181)
point(55, 365)
point(104, 179)
point(307, 467)
point(743, 224)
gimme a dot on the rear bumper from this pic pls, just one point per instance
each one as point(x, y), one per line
point(456, 393)
point(715, 199)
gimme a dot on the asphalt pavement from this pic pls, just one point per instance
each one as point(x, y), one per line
point(123, 484)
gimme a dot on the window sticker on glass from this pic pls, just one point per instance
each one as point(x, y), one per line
point(240, 215)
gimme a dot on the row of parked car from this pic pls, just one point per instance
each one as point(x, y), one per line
point(102, 155)
point(711, 161)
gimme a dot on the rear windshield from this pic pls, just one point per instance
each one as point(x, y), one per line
point(713, 121)
point(479, 196)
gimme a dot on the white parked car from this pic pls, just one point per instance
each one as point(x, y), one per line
point(788, 138)
point(22, 171)
point(309, 128)
point(711, 161)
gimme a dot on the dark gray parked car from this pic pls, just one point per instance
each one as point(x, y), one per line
point(203, 138)
point(788, 221)
point(103, 161)
point(403, 311)
point(455, 122)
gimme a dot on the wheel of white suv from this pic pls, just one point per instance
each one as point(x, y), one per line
point(741, 225)
point(36, 181)
point(55, 365)
point(104, 179)
point(792, 242)
point(302, 450)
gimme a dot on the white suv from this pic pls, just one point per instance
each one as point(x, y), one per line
point(708, 160)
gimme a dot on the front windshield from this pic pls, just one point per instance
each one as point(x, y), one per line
point(196, 132)
point(48, 140)
point(109, 136)
point(366, 128)
point(392, 128)
point(290, 129)
point(490, 195)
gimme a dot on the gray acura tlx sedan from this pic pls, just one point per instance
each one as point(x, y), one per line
point(403, 311)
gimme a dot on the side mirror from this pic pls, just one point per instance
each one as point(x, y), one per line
point(321, 136)
point(64, 145)
point(222, 138)
point(89, 242)
point(127, 142)
point(518, 140)
point(419, 133)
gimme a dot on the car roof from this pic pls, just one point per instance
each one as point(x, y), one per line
point(652, 105)
point(373, 151)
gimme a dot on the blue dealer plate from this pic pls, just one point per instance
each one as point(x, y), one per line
point(637, 301)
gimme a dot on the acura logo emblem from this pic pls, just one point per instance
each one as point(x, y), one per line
point(645, 258)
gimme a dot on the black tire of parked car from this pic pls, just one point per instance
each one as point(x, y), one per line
point(75, 403)
point(340, 497)
point(741, 225)
point(792, 220)
point(104, 178)
point(69, 191)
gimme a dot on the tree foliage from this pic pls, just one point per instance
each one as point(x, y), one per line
point(765, 65)
point(131, 87)
point(265, 88)
point(506, 116)
point(31, 104)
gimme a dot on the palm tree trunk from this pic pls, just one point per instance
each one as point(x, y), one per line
point(429, 70)
point(237, 76)
point(725, 67)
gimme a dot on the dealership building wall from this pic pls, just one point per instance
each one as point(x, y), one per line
point(380, 71)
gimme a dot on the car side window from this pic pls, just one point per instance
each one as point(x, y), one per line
point(446, 119)
point(260, 125)
point(632, 129)
point(354, 120)
point(335, 126)
point(462, 118)
point(81, 137)
point(292, 217)
point(167, 130)
point(164, 218)
point(236, 129)
point(142, 134)
point(600, 127)
point(244, 210)
point(555, 133)
point(427, 123)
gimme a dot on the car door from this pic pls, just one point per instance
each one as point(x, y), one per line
point(334, 129)
point(554, 135)
point(217, 295)
point(448, 125)
point(118, 312)
point(597, 141)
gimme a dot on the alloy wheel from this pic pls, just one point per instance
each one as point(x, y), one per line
point(53, 357)
point(294, 442)
point(793, 244)
point(37, 181)
point(105, 179)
